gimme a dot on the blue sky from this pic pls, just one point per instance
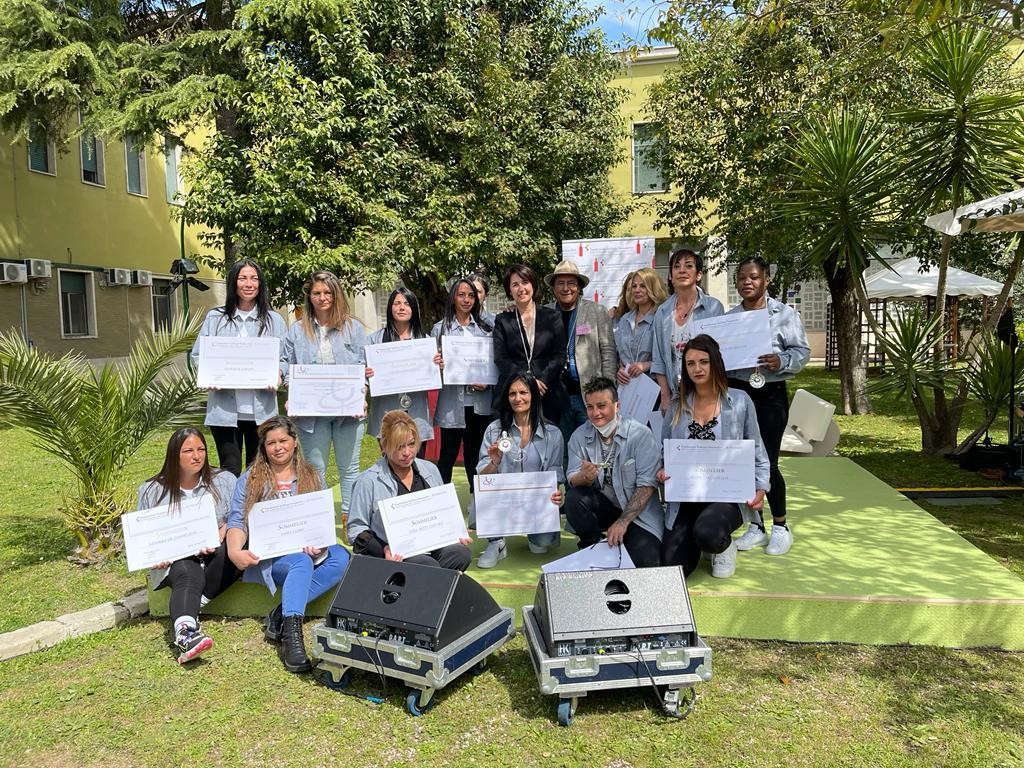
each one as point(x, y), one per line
point(626, 21)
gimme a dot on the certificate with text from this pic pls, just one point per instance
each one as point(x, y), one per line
point(283, 526)
point(637, 398)
point(596, 557)
point(403, 366)
point(326, 390)
point(743, 336)
point(469, 360)
point(238, 363)
point(516, 503)
point(158, 535)
point(423, 521)
point(709, 470)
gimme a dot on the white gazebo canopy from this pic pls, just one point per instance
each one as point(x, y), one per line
point(907, 281)
point(1003, 213)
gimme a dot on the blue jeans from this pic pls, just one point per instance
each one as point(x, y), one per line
point(347, 436)
point(301, 583)
point(573, 417)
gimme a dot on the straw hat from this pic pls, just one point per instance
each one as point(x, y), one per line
point(567, 267)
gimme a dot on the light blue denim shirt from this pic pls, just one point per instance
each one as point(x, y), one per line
point(738, 421)
point(661, 353)
point(346, 346)
point(543, 454)
point(635, 344)
point(454, 398)
point(419, 410)
point(789, 342)
point(636, 465)
point(261, 572)
point(378, 483)
point(221, 408)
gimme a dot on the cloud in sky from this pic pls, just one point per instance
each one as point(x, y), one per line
point(626, 22)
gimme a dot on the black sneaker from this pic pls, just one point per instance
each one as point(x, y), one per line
point(191, 643)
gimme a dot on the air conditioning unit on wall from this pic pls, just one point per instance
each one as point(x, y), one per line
point(38, 269)
point(13, 273)
point(119, 276)
point(142, 277)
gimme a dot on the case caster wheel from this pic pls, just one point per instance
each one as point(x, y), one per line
point(671, 702)
point(566, 710)
point(479, 667)
point(341, 684)
point(412, 703)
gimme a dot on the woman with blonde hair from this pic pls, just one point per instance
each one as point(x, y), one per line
point(625, 300)
point(328, 334)
point(634, 333)
point(279, 472)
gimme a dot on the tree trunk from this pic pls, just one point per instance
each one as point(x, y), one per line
point(846, 316)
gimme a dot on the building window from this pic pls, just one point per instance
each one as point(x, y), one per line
point(135, 165)
point(42, 153)
point(92, 160)
point(163, 305)
point(76, 304)
point(172, 168)
point(647, 173)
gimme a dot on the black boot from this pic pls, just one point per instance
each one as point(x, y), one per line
point(272, 626)
point(293, 647)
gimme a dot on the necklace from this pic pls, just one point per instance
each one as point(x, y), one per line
point(681, 317)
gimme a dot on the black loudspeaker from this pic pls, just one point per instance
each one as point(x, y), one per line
point(614, 611)
point(404, 602)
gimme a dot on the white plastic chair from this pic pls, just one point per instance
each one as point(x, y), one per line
point(811, 430)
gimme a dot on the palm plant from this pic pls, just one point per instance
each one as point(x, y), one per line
point(95, 420)
point(993, 375)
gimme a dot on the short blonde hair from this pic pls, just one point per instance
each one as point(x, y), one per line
point(395, 429)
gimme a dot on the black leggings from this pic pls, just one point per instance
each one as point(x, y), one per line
point(469, 438)
point(590, 513)
point(771, 403)
point(192, 577)
point(229, 442)
point(699, 527)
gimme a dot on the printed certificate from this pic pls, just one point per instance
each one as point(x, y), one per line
point(637, 399)
point(743, 336)
point(156, 535)
point(469, 360)
point(326, 390)
point(238, 363)
point(403, 366)
point(709, 470)
point(423, 521)
point(596, 557)
point(516, 503)
point(283, 526)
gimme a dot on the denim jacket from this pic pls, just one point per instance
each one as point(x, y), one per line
point(636, 465)
point(547, 440)
point(419, 410)
point(661, 354)
point(298, 349)
point(375, 484)
point(739, 422)
point(221, 409)
point(453, 398)
point(789, 342)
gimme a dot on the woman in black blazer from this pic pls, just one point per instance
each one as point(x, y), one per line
point(530, 337)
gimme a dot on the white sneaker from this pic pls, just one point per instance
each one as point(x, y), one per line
point(753, 537)
point(723, 565)
point(781, 541)
point(495, 551)
point(537, 549)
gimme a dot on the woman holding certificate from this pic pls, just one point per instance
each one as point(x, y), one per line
point(766, 385)
point(521, 440)
point(280, 472)
point(194, 581)
point(671, 320)
point(328, 335)
point(707, 409)
point(634, 336)
point(530, 337)
point(463, 410)
point(402, 323)
point(233, 414)
point(397, 473)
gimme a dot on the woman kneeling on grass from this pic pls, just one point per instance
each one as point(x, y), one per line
point(194, 581)
point(278, 472)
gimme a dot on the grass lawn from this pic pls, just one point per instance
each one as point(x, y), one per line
point(117, 699)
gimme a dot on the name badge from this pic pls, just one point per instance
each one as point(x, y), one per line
point(582, 330)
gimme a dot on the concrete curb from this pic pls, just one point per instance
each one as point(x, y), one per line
point(46, 634)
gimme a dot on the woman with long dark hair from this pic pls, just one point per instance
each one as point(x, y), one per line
point(463, 410)
point(707, 409)
point(194, 581)
point(521, 440)
point(279, 472)
point(766, 386)
point(233, 414)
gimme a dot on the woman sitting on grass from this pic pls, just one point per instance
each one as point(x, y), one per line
point(194, 581)
point(278, 472)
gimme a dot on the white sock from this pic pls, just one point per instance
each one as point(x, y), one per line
point(203, 601)
point(184, 623)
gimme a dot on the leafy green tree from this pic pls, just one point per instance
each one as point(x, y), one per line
point(95, 420)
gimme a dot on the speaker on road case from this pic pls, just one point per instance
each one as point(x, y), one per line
point(639, 602)
point(437, 604)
